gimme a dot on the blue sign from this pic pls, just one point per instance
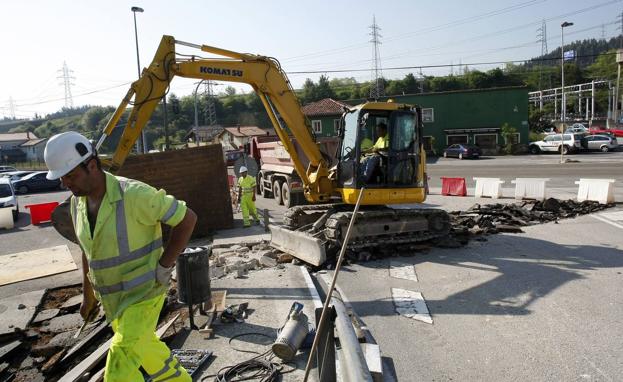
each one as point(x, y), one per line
point(569, 55)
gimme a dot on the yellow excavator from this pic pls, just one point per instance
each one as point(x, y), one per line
point(310, 232)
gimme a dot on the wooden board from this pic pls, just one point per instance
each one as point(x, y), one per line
point(33, 264)
point(87, 364)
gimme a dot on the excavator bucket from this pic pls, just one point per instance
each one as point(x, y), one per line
point(299, 244)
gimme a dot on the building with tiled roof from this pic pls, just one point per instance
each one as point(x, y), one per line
point(324, 107)
point(10, 146)
point(34, 149)
point(324, 116)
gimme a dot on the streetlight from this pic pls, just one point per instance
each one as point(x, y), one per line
point(138, 63)
point(197, 114)
point(562, 69)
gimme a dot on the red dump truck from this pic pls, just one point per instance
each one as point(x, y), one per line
point(277, 177)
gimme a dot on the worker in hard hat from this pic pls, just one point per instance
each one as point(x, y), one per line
point(372, 160)
point(117, 222)
point(246, 196)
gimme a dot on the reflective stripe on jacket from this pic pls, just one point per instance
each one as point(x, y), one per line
point(127, 241)
point(247, 184)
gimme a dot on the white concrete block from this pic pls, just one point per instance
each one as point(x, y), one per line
point(6, 218)
point(530, 188)
point(598, 190)
point(488, 188)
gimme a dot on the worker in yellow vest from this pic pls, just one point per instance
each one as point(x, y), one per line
point(372, 160)
point(246, 196)
point(117, 222)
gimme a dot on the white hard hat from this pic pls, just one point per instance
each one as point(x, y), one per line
point(243, 169)
point(64, 152)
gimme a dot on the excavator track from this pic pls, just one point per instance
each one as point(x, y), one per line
point(388, 226)
point(311, 232)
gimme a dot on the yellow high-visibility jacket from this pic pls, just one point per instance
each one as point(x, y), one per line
point(127, 241)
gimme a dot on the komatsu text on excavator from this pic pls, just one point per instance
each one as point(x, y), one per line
point(332, 182)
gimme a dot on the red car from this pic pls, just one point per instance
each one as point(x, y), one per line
point(601, 130)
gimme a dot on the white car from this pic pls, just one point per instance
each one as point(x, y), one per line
point(577, 128)
point(8, 198)
point(552, 143)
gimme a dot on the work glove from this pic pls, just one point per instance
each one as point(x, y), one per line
point(163, 274)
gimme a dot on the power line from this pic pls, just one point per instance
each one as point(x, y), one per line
point(443, 65)
point(78, 95)
point(419, 31)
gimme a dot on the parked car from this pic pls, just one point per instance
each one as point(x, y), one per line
point(461, 150)
point(600, 142)
point(552, 143)
point(577, 128)
point(15, 175)
point(7, 169)
point(8, 198)
point(231, 156)
point(550, 131)
point(600, 130)
point(36, 182)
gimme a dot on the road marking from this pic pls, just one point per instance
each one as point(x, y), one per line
point(312, 288)
point(614, 216)
point(411, 304)
point(402, 270)
point(607, 221)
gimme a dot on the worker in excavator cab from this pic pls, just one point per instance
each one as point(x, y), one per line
point(117, 222)
point(372, 159)
point(246, 196)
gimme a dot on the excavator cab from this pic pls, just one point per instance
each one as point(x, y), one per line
point(392, 171)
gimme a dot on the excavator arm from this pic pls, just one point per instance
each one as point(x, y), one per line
point(264, 74)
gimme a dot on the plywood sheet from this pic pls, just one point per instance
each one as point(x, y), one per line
point(33, 264)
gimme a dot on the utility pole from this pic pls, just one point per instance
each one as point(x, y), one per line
point(376, 90)
point(542, 36)
point(12, 107)
point(210, 107)
point(67, 77)
point(615, 104)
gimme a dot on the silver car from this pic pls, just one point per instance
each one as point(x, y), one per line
point(599, 142)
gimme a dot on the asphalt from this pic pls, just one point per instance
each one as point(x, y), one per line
point(538, 306)
point(542, 305)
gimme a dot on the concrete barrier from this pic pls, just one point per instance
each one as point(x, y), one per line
point(488, 188)
point(6, 218)
point(599, 190)
point(530, 188)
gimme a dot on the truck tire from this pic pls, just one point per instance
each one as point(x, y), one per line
point(277, 192)
point(289, 200)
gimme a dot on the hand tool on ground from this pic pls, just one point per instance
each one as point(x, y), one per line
point(90, 317)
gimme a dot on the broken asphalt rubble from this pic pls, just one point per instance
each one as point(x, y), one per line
point(41, 346)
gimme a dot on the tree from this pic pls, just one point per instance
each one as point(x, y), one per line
point(538, 122)
point(508, 132)
point(230, 91)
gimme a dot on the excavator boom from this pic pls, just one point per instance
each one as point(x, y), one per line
point(264, 74)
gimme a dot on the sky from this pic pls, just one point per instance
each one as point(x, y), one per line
point(96, 39)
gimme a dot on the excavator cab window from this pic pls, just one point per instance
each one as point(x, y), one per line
point(403, 149)
point(348, 150)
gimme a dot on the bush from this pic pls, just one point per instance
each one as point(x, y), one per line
point(535, 136)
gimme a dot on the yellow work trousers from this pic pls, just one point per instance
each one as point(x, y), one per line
point(248, 206)
point(135, 344)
